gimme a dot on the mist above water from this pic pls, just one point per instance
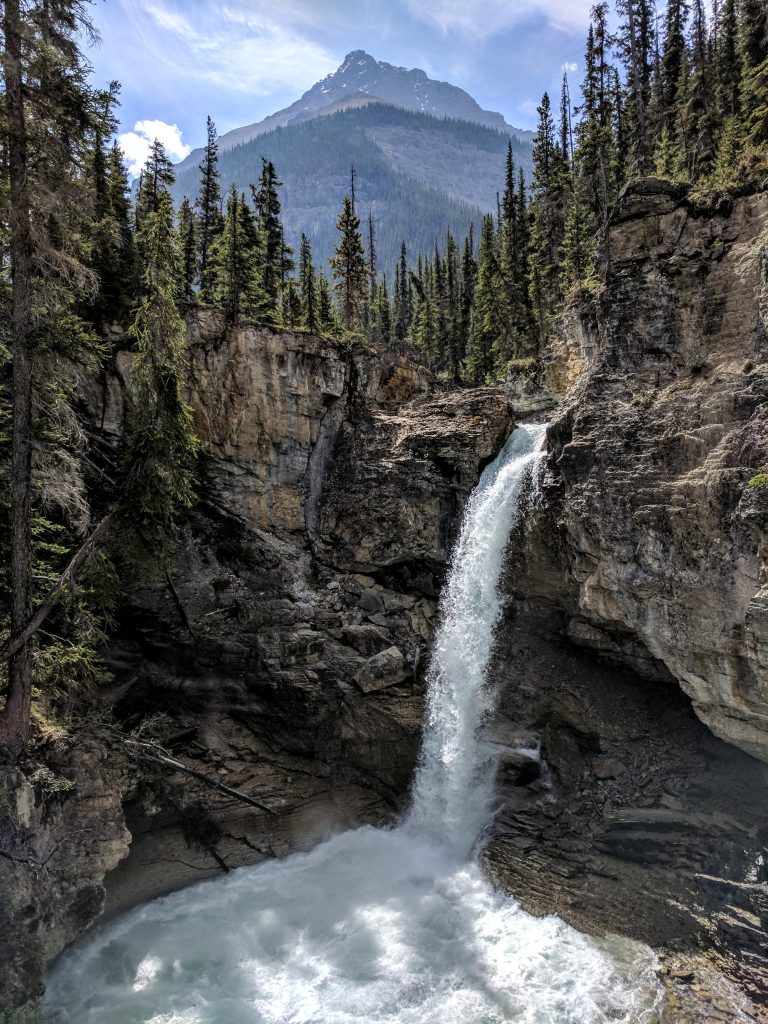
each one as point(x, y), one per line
point(376, 925)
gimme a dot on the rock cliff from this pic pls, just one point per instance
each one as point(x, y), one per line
point(278, 664)
point(661, 532)
point(639, 585)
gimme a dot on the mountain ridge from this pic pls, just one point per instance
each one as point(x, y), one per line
point(360, 75)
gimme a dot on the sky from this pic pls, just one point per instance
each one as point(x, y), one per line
point(240, 60)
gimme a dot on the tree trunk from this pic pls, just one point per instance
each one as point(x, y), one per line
point(14, 719)
point(19, 637)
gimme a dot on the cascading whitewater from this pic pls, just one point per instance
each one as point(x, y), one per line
point(454, 783)
point(377, 926)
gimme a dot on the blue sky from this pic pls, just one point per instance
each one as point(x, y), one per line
point(239, 60)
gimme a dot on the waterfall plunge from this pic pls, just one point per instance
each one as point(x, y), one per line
point(377, 926)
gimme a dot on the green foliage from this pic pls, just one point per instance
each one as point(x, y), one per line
point(159, 448)
point(349, 269)
point(522, 365)
point(642, 401)
point(208, 208)
point(275, 261)
point(420, 176)
point(50, 784)
point(759, 482)
point(233, 262)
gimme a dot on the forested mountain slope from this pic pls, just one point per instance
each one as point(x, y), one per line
point(416, 174)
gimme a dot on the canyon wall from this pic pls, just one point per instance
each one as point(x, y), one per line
point(278, 663)
point(637, 603)
point(281, 659)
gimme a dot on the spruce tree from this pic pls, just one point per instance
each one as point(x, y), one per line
point(493, 338)
point(233, 261)
point(550, 191)
point(467, 287)
point(403, 300)
point(156, 177)
point(727, 63)
point(159, 448)
point(695, 116)
point(308, 288)
point(114, 250)
point(753, 40)
point(382, 315)
point(291, 301)
point(50, 115)
point(188, 245)
point(208, 206)
point(275, 258)
point(673, 53)
point(455, 351)
point(349, 269)
point(636, 45)
point(326, 314)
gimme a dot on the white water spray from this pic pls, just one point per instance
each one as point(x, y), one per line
point(377, 926)
point(454, 780)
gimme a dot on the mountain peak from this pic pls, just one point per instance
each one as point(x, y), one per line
point(360, 75)
point(410, 88)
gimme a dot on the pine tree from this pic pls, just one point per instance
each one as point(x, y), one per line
point(493, 337)
point(467, 288)
point(292, 311)
point(308, 288)
point(550, 194)
point(696, 100)
point(673, 56)
point(114, 249)
point(425, 328)
point(636, 44)
point(566, 130)
point(156, 177)
point(727, 63)
point(595, 162)
point(455, 349)
point(512, 259)
point(233, 261)
point(349, 269)
point(208, 206)
point(188, 245)
point(403, 300)
point(159, 448)
point(382, 315)
point(753, 39)
point(576, 252)
point(50, 118)
point(275, 258)
point(372, 268)
point(326, 315)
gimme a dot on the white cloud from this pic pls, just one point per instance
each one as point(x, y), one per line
point(570, 67)
point(485, 18)
point(234, 46)
point(135, 145)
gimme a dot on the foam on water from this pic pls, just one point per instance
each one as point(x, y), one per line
point(377, 926)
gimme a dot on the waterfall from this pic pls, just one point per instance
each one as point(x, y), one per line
point(454, 780)
point(378, 926)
